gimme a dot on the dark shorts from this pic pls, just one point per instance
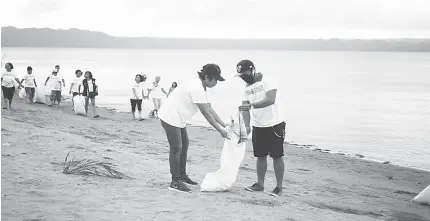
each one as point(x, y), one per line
point(269, 140)
point(56, 95)
point(74, 94)
point(134, 103)
point(8, 92)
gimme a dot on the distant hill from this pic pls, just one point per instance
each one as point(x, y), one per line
point(75, 38)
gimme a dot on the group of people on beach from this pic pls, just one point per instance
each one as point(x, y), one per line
point(260, 99)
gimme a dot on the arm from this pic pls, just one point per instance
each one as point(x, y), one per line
point(47, 79)
point(216, 117)
point(162, 89)
point(35, 84)
point(79, 89)
point(64, 82)
point(269, 100)
point(17, 80)
point(205, 109)
point(134, 92)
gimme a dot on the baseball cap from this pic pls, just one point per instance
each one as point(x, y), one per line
point(55, 70)
point(244, 65)
point(212, 70)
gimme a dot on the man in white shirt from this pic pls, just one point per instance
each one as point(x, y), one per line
point(261, 98)
point(178, 110)
point(29, 84)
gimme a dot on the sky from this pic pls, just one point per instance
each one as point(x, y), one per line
point(226, 18)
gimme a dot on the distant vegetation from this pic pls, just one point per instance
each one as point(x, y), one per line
point(75, 38)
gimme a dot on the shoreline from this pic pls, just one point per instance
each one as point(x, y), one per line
point(306, 146)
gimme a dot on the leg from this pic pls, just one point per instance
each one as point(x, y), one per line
point(139, 108)
point(183, 158)
point(278, 166)
point(11, 97)
point(93, 105)
point(174, 138)
point(53, 95)
point(5, 97)
point(58, 98)
point(261, 170)
point(32, 93)
point(86, 105)
point(133, 107)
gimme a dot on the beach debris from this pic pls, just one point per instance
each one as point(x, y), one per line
point(359, 155)
point(89, 167)
point(390, 177)
point(386, 162)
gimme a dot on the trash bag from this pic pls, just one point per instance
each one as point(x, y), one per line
point(40, 94)
point(423, 197)
point(232, 155)
point(22, 93)
point(147, 107)
point(79, 105)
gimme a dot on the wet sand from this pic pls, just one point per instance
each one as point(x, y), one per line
point(318, 185)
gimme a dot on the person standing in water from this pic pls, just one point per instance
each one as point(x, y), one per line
point(157, 93)
point(29, 84)
point(8, 79)
point(137, 96)
point(261, 98)
point(90, 92)
point(177, 112)
point(174, 85)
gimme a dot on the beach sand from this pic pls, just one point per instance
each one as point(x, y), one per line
point(318, 185)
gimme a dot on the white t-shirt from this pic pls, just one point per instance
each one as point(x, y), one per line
point(29, 80)
point(180, 107)
point(268, 116)
point(56, 83)
point(138, 87)
point(8, 78)
point(76, 82)
point(156, 91)
point(90, 86)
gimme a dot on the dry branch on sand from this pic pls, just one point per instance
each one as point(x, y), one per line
point(91, 168)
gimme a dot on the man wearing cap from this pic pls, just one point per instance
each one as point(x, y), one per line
point(261, 100)
point(177, 111)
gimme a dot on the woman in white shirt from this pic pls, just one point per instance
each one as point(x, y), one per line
point(74, 86)
point(137, 96)
point(8, 79)
point(90, 92)
point(157, 93)
point(178, 110)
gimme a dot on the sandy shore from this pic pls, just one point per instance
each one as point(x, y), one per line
point(318, 186)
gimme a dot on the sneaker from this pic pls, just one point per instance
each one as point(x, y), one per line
point(277, 192)
point(255, 188)
point(179, 186)
point(187, 180)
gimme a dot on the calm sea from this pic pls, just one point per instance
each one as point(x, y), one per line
point(376, 104)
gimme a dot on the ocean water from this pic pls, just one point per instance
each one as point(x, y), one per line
point(376, 104)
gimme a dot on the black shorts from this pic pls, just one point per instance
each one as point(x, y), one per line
point(269, 141)
point(30, 91)
point(56, 95)
point(74, 94)
point(8, 92)
point(134, 103)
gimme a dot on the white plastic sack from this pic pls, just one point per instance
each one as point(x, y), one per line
point(40, 94)
point(232, 155)
point(79, 105)
point(423, 197)
point(22, 93)
point(147, 107)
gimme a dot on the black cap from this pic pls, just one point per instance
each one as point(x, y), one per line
point(212, 70)
point(244, 65)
